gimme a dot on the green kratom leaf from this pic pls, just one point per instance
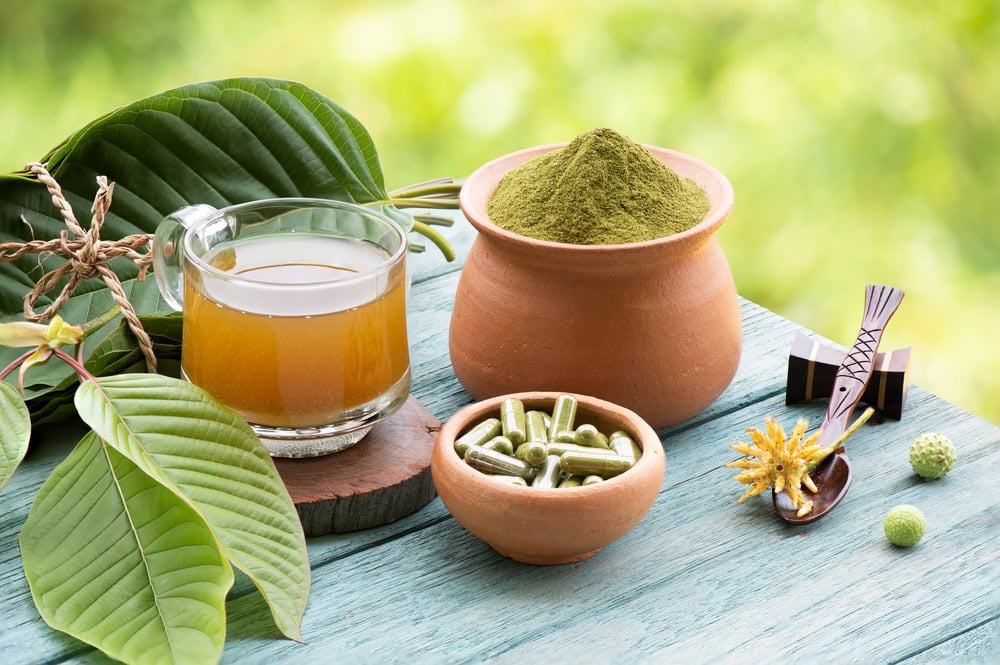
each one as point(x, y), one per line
point(216, 142)
point(120, 562)
point(183, 438)
point(15, 430)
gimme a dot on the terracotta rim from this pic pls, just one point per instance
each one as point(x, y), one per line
point(644, 434)
point(477, 191)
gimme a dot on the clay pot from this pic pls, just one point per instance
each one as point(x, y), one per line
point(548, 526)
point(654, 325)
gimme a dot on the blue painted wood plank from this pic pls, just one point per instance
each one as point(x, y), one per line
point(700, 580)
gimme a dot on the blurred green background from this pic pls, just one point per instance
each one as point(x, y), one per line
point(862, 137)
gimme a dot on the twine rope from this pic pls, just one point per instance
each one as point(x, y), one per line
point(87, 257)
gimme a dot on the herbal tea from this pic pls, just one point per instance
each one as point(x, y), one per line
point(302, 359)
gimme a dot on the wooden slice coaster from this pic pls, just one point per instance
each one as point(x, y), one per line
point(385, 476)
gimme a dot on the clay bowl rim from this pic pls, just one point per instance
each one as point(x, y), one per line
point(479, 218)
point(641, 431)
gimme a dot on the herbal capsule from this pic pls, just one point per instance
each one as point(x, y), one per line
point(492, 462)
point(512, 420)
point(571, 481)
point(592, 480)
point(558, 448)
point(537, 430)
point(587, 435)
point(501, 444)
point(508, 480)
point(592, 463)
point(566, 436)
point(547, 420)
point(532, 452)
point(623, 445)
point(563, 414)
point(548, 475)
point(477, 436)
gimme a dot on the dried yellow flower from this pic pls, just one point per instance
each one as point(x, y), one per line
point(46, 338)
point(22, 333)
point(784, 462)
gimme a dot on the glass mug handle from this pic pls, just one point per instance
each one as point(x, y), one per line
point(168, 259)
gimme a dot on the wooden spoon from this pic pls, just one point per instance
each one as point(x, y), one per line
point(832, 476)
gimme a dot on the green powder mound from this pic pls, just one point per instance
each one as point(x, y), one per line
point(601, 189)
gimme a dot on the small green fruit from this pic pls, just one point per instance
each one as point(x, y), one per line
point(932, 455)
point(904, 525)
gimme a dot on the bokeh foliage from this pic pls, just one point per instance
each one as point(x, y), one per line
point(861, 136)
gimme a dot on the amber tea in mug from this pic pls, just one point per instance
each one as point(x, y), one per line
point(295, 318)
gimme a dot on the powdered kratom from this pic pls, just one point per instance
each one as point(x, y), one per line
point(601, 189)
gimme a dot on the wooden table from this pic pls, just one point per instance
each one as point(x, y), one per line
point(701, 579)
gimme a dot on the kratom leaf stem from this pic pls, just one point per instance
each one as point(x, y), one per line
point(101, 320)
point(82, 372)
point(423, 229)
point(437, 187)
point(441, 203)
point(16, 363)
point(435, 220)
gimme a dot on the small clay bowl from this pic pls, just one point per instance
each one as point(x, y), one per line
point(548, 526)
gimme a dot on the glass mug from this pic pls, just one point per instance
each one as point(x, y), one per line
point(294, 315)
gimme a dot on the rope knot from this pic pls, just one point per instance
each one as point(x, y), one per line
point(82, 255)
point(86, 256)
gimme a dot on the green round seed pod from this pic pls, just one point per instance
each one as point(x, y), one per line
point(904, 525)
point(932, 455)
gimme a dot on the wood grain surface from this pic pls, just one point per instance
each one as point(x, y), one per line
point(699, 580)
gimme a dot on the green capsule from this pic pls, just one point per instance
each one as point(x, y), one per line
point(623, 445)
point(563, 413)
point(558, 448)
point(565, 436)
point(592, 480)
point(477, 436)
point(592, 463)
point(548, 474)
point(492, 462)
point(587, 435)
point(537, 430)
point(501, 444)
point(508, 480)
point(532, 452)
point(571, 481)
point(547, 420)
point(512, 420)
